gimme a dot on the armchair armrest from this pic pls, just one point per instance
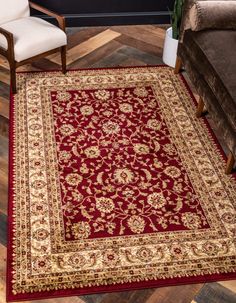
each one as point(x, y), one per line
point(9, 52)
point(60, 19)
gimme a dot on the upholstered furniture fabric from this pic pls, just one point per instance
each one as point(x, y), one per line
point(213, 15)
point(185, 23)
point(13, 9)
point(209, 59)
point(33, 36)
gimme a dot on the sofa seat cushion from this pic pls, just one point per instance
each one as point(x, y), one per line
point(33, 36)
point(213, 53)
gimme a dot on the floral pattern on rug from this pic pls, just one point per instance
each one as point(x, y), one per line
point(114, 183)
point(119, 170)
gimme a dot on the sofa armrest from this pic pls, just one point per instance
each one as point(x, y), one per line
point(185, 22)
point(213, 15)
point(60, 19)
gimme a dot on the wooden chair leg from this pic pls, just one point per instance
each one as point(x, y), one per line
point(178, 65)
point(13, 77)
point(200, 108)
point(63, 59)
point(230, 163)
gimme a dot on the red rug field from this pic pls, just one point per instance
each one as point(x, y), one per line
point(114, 184)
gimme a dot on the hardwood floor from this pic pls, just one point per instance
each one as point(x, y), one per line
point(103, 47)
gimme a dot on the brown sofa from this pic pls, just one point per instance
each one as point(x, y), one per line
point(209, 57)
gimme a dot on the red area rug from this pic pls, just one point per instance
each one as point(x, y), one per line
point(114, 184)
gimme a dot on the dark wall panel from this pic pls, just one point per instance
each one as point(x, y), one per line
point(107, 6)
point(108, 12)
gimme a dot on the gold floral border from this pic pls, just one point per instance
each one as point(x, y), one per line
point(34, 123)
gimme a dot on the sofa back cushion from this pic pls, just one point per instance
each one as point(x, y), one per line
point(13, 9)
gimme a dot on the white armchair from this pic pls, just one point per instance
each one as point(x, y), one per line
point(24, 38)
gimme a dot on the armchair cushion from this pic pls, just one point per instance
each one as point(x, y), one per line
point(13, 9)
point(33, 36)
point(213, 15)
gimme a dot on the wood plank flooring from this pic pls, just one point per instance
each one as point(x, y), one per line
point(102, 47)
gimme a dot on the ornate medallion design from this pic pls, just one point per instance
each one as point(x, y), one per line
point(114, 182)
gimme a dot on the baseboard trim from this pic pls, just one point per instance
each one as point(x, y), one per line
point(119, 18)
